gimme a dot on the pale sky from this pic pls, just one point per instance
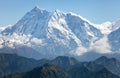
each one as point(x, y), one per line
point(97, 11)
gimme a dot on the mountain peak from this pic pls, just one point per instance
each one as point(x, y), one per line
point(58, 11)
point(64, 57)
point(103, 57)
point(116, 25)
point(68, 59)
point(37, 9)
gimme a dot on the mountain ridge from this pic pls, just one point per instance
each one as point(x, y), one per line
point(58, 33)
point(47, 69)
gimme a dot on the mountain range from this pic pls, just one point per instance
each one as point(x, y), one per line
point(15, 66)
point(41, 33)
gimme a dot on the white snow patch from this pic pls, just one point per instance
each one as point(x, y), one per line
point(13, 40)
point(82, 18)
point(4, 27)
point(116, 25)
point(105, 28)
point(88, 30)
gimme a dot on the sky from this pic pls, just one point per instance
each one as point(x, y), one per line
point(96, 11)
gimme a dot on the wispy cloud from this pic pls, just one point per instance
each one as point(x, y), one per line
point(101, 46)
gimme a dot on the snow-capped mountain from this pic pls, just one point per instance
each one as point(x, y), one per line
point(42, 24)
point(56, 33)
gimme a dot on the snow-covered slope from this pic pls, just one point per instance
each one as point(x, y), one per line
point(56, 33)
point(105, 28)
point(4, 27)
point(114, 39)
point(34, 23)
point(116, 25)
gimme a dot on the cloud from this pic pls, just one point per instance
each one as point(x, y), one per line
point(79, 51)
point(101, 46)
point(37, 41)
